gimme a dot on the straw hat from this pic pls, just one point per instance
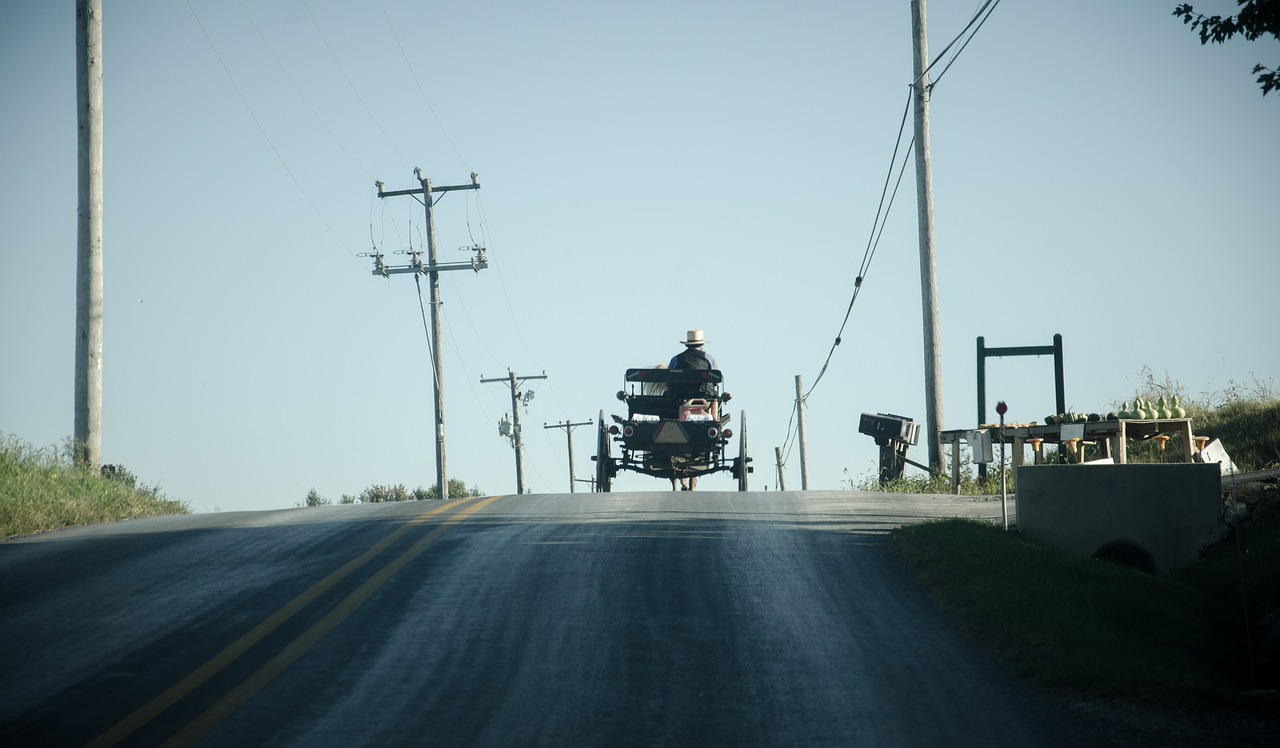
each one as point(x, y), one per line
point(695, 338)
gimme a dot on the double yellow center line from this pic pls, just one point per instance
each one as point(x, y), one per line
point(225, 706)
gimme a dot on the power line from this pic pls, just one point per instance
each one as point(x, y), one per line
point(301, 95)
point(980, 17)
point(351, 85)
point(412, 73)
point(262, 129)
point(857, 288)
point(989, 7)
point(952, 43)
point(435, 375)
point(432, 269)
point(515, 323)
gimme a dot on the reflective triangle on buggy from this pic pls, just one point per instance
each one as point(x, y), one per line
point(669, 432)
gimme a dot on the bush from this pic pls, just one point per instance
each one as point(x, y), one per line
point(1244, 416)
point(378, 494)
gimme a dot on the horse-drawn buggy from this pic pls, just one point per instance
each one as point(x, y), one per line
point(674, 429)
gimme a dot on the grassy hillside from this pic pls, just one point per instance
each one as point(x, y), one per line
point(40, 490)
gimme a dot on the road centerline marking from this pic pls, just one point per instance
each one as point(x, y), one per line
point(233, 651)
point(292, 652)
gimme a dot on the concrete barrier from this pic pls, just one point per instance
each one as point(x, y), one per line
point(1156, 517)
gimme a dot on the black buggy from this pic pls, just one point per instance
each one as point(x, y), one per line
point(674, 429)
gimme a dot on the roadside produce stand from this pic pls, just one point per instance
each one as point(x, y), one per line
point(1111, 435)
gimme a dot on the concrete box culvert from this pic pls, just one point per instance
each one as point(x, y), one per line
point(1164, 512)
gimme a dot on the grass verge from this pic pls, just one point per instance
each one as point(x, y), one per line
point(1102, 630)
point(41, 490)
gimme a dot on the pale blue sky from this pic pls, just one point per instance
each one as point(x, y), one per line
point(645, 170)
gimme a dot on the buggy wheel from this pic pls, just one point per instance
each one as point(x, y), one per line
point(740, 465)
point(604, 463)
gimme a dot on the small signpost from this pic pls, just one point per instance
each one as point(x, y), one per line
point(1001, 408)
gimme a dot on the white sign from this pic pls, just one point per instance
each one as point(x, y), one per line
point(980, 442)
point(1214, 452)
point(1072, 431)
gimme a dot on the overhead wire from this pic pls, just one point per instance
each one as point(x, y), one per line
point(873, 242)
point(495, 265)
point(435, 374)
point(989, 7)
point(877, 229)
point(351, 85)
point(280, 158)
point(466, 311)
point(486, 240)
point(493, 255)
point(298, 91)
point(449, 336)
point(261, 129)
point(976, 22)
point(418, 83)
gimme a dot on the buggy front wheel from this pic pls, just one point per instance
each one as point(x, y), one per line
point(604, 463)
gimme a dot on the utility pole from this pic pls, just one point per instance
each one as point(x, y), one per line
point(804, 460)
point(928, 264)
point(432, 269)
point(782, 479)
point(88, 378)
point(516, 440)
point(568, 430)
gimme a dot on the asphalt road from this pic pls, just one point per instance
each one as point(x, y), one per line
point(620, 619)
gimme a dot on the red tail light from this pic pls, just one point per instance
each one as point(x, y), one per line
point(728, 433)
point(613, 430)
point(713, 432)
point(628, 431)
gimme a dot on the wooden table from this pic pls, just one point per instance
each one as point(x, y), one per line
point(1112, 436)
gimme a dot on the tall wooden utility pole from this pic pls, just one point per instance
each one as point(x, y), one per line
point(928, 265)
point(432, 269)
point(804, 459)
point(517, 440)
point(568, 429)
point(88, 380)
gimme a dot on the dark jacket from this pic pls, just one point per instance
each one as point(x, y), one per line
point(692, 359)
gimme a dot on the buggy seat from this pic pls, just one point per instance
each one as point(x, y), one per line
point(681, 386)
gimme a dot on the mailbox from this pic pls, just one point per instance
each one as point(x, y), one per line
point(886, 427)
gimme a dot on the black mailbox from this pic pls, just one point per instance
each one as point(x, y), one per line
point(886, 427)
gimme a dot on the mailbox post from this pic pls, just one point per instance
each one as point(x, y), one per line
point(893, 434)
point(1001, 408)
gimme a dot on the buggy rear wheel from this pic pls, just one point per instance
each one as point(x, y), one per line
point(740, 468)
point(604, 463)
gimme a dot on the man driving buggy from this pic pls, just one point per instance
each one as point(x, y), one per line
point(692, 357)
point(696, 359)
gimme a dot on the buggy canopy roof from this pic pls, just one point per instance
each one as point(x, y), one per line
point(675, 376)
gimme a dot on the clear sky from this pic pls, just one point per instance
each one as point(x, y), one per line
point(646, 169)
